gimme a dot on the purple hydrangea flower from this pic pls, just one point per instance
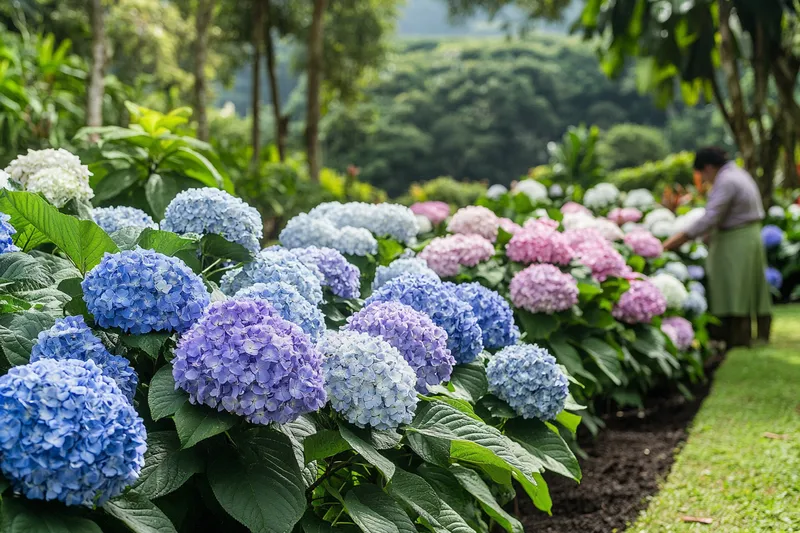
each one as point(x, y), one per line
point(438, 301)
point(67, 433)
point(71, 338)
point(680, 332)
point(494, 315)
point(774, 277)
point(342, 277)
point(696, 286)
point(244, 358)
point(543, 289)
point(140, 291)
point(539, 242)
point(640, 303)
point(772, 236)
point(696, 272)
point(644, 243)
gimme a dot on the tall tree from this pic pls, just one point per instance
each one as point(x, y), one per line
point(281, 121)
point(96, 90)
point(204, 17)
point(313, 108)
point(258, 43)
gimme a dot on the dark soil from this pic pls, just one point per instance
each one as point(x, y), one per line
point(624, 466)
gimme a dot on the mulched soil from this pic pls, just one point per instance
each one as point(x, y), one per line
point(624, 466)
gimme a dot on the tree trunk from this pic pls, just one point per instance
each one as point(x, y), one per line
point(314, 84)
point(97, 88)
point(281, 122)
point(258, 39)
point(203, 19)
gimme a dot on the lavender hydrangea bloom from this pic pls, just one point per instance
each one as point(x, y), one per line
point(528, 378)
point(112, 219)
point(543, 289)
point(71, 338)
point(342, 277)
point(438, 301)
point(680, 332)
point(368, 381)
point(214, 211)
point(67, 433)
point(695, 304)
point(696, 286)
point(275, 265)
point(494, 315)
point(422, 343)
point(290, 304)
point(401, 267)
point(140, 291)
point(640, 303)
point(771, 236)
point(696, 272)
point(774, 277)
point(242, 357)
point(6, 231)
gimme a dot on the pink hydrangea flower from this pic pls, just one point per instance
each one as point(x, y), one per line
point(436, 212)
point(576, 237)
point(536, 222)
point(539, 243)
point(543, 289)
point(680, 332)
point(640, 303)
point(574, 207)
point(644, 243)
point(602, 259)
point(475, 220)
point(621, 215)
point(445, 255)
point(509, 225)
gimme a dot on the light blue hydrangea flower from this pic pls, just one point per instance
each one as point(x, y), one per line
point(140, 291)
point(695, 304)
point(67, 433)
point(6, 231)
point(696, 272)
point(273, 265)
point(71, 338)
point(214, 211)
point(422, 343)
point(242, 357)
point(494, 315)
point(438, 301)
point(341, 277)
point(400, 267)
point(528, 378)
point(356, 241)
point(696, 286)
point(290, 304)
point(112, 219)
point(384, 220)
point(304, 231)
point(368, 381)
point(676, 270)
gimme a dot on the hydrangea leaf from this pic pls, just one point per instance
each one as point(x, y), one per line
point(18, 334)
point(21, 516)
point(164, 242)
point(23, 272)
point(150, 343)
point(127, 238)
point(166, 466)
point(469, 381)
point(76, 305)
point(360, 443)
point(605, 357)
point(544, 443)
point(263, 489)
point(115, 183)
point(473, 484)
point(565, 353)
point(162, 397)
point(537, 327)
point(415, 493)
point(217, 246)
point(323, 445)
point(374, 511)
point(139, 514)
point(197, 423)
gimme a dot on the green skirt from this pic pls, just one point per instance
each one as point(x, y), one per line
point(736, 262)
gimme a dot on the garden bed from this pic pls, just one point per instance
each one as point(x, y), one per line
point(623, 468)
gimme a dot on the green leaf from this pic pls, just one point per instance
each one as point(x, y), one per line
point(546, 445)
point(312, 524)
point(127, 238)
point(159, 191)
point(150, 343)
point(197, 423)
point(81, 240)
point(497, 407)
point(449, 522)
point(24, 272)
point(415, 493)
point(217, 246)
point(389, 250)
point(469, 381)
point(473, 484)
point(18, 334)
point(323, 445)
point(139, 514)
point(462, 405)
point(374, 511)
point(359, 440)
point(162, 397)
point(24, 516)
point(384, 439)
point(537, 326)
point(76, 305)
point(166, 466)
point(588, 291)
point(165, 242)
point(565, 354)
point(115, 183)
point(263, 488)
point(605, 357)
point(569, 421)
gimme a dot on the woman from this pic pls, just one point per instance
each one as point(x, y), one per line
point(738, 289)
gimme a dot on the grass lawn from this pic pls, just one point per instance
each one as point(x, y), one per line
point(728, 470)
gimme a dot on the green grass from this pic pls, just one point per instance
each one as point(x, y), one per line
point(728, 471)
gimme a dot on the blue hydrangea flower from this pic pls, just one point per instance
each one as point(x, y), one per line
point(71, 338)
point(774, 277)
point(356, 241)
point(67, 433)
point(438, 301)
point(696, 286)
point(696, 272)
point(112, 219)
point(342, 277)
point(695, 304)
point(6, 231)
point(771, 236)
point(422, 343)
point(384, 220)
point(368, 381)
point(494, 315)
point(528, 378)
point(303, 231)
point(140, 291)
point(676, 270)
point(290, 304)
point(242, 357)
point(400, 267)
point(214, 211)
point(275, 265)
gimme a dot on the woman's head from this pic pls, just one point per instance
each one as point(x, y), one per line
point(708, 161)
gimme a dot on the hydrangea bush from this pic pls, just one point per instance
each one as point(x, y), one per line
point(543, 289)
point(446, 255)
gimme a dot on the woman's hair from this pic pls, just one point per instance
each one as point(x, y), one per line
point(716, 157)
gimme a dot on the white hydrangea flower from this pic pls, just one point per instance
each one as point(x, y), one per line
point(577, 220)
point(700, 253)
point(632, 226)
point(661, 214)
point(4, 177)
point(672, 289)
point(684, 222)
point(793, 211)
point(663, 228)
point(25, 166)
point(776, 211)
point(541, 213)
point(677, 270)
point(601, 196)
point(534, 190)
point(60, 186)
point(496, 191)
point(608, 229)
point(641, 199)
point(424, 224)
point(556, 191)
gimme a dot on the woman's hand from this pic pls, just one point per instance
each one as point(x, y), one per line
point(675, 242)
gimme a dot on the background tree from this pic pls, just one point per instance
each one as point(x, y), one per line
point(96, 89)
point(630, 145)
